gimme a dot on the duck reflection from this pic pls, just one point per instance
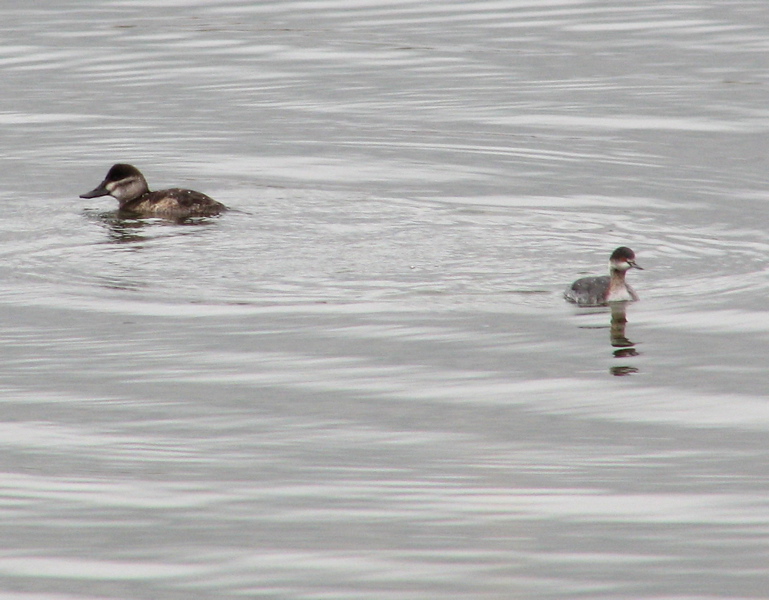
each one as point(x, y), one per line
point(624, 347)
point(123, 229)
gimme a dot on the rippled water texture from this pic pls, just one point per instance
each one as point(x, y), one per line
point(362, 381)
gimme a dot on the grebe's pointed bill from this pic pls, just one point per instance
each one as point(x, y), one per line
point(634, 265)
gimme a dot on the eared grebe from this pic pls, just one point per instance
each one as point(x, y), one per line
point(127, 184)
point(595, 291)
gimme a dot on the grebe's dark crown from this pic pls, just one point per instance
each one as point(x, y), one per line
point(623, 253)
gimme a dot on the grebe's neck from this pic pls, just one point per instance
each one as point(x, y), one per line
point(618, 290)
point(617, 275)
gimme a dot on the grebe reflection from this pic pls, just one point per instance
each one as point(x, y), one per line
point(624, 347)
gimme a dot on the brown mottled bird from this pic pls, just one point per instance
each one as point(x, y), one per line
point(127, 184)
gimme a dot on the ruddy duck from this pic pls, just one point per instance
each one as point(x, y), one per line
point(127, 184)
point(596, 291)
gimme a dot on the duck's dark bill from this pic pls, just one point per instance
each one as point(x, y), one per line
point(96, 192)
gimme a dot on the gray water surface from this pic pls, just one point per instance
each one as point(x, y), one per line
point(362, 381)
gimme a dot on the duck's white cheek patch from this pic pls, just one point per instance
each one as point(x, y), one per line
point(110, 186)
